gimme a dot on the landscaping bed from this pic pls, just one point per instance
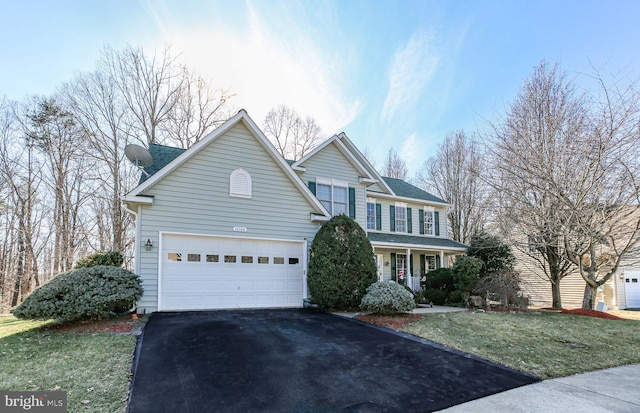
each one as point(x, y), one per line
point(394, 322)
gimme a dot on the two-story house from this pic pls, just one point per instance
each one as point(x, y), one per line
point(228, 223)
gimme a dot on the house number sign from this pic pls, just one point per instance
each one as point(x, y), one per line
point(239, 229)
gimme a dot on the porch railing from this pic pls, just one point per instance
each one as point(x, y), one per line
point(415, 284)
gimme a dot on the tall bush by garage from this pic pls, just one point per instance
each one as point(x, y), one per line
point(341, 265)
point(83, 294)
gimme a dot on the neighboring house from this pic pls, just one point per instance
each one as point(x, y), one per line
point(228, 223)
point(621, 291)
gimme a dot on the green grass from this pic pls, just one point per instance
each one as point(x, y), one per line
point(93, 367)
point(541, 343)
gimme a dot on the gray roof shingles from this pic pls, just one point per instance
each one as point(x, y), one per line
point(421, 241)
point(162, 155)
point(405, 189)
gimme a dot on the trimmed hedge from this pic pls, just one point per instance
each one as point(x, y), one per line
point(113, 258)
point(341, 265)
point(387, 298)
point(83, 294)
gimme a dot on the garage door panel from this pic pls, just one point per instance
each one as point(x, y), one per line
point(196, 276)
point(632, 288)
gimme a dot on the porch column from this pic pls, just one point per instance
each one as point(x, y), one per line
point(408, 270)
point(442, 260)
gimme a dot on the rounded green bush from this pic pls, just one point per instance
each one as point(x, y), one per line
point(82, 294)
point(341, 265)
point(113, 258)
point(387, 298)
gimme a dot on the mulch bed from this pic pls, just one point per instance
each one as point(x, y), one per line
point(586, 312)
point(394, 322)
point(116, 325)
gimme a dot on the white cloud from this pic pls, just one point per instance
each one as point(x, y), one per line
point(413, 152)
point(265, 68)
point(412, 67)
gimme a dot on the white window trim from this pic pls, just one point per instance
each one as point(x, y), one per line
point(334, 183)
point(240, 192)
point(430, 210)
point(402, 205)
point(371, 201)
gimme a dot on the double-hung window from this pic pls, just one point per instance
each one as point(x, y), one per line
point(401, 217)
point(429, 222)
point(333, 195)
point(371, 214)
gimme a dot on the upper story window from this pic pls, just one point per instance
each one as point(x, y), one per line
point(371, 214)
point(429, 222)
point(334, 195)
point(401, 217)
point(240, 184)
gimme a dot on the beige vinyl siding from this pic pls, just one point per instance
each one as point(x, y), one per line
point(537, 287)
point(329, 162)
point(194, 198)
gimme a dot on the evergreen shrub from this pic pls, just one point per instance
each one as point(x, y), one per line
point(387, 298)
point(341, 265)
point(83, 294)
point(113, 258)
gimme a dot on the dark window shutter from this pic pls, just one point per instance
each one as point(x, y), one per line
point(421, 220)
point(392, 218)
point(423, 265)
point(393, 265)
point(378, 217)
point(312, 187)
point(352, 203)
point(436, 218)
point(409, 221)
point(411, 265)
point(438, 264)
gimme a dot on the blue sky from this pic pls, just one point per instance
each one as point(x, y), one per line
point(390, 74)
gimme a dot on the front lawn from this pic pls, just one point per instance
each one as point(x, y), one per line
point(542, 343)
point(92, 368)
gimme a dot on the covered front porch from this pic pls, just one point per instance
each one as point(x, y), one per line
point(406, 259)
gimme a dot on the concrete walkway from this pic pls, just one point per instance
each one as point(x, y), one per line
point(610, 390)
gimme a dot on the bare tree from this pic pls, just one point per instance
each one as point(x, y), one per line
point(197, 111)
point(394, 167)
point(20, 173)
point(368, 154)
point(566, 171)
point(54, 132)
point(150, 88)
point(453, 174)
point(528, 154)
point(292, 135)
point(601, 201)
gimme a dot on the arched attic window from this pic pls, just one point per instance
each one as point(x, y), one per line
point(240, 184)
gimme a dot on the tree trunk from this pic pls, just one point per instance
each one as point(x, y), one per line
point(555, 294)
point(589, 298)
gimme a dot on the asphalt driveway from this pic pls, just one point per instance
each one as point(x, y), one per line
point(299, 361)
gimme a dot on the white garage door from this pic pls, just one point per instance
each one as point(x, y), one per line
point(632, 288)
point(202, 272)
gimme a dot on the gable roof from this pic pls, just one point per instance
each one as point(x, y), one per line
point(352, 154)
point(169, 159)
point(406, 190)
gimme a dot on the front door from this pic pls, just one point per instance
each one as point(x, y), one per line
point(380, 266)
point(401, 268)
